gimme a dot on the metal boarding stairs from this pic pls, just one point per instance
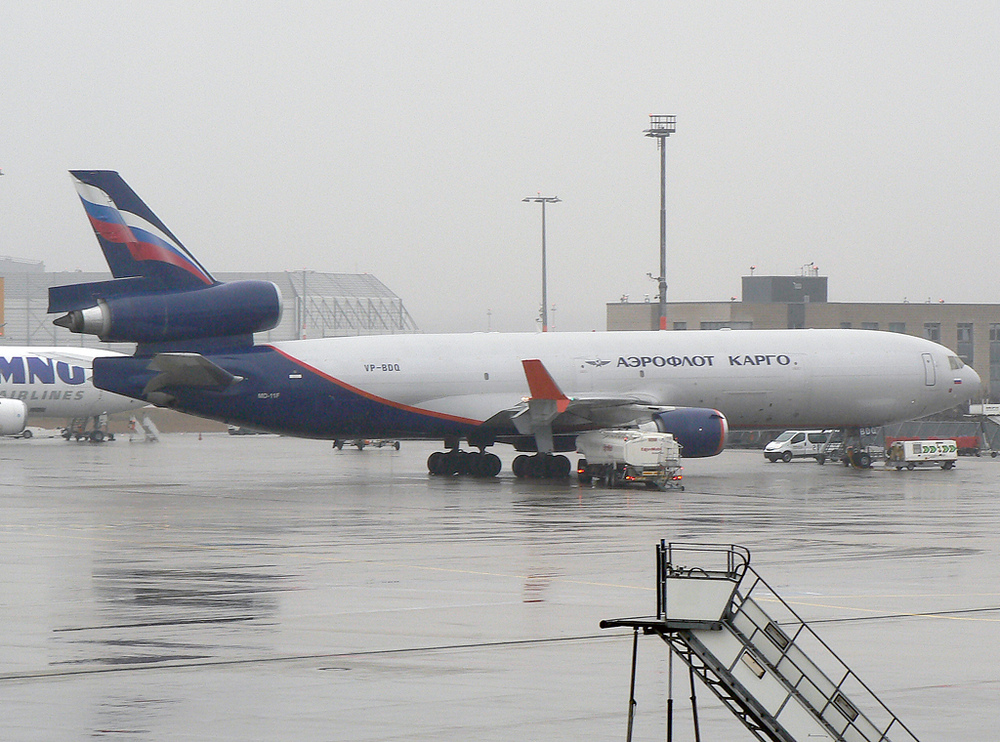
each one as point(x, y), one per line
point(774, 673)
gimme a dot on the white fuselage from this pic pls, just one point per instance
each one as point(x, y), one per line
point(757, 378)
point(57, 382)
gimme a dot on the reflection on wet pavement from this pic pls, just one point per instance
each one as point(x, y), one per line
point(269, 588)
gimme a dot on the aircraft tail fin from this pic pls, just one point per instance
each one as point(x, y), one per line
point(134, 241)
point(160, 298)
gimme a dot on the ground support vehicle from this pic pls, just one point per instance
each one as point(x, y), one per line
point(911, 454)
point(817, 444)
point(968, 445)
point(362, 443)
point(627, 456)
point(79, 429)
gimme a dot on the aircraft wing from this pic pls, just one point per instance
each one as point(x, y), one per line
point(549, 410)
point(585, 411)
point(187, 369)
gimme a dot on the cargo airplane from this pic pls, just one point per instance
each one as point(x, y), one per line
point(53, 382)
point(195, 352)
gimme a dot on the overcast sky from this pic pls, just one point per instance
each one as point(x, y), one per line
point(398, 138)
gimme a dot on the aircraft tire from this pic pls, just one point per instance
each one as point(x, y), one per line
point(460, 462)
point(435, 464)
point(491, 465)
point(520, 466)
point(479, 466)
point(557, 467)
point(538, 466)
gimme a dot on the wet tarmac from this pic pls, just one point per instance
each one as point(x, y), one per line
point(266, 588)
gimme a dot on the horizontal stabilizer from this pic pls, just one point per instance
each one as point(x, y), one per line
point(187, 369)
point(84, 295)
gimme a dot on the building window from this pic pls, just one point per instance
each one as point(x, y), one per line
point(932, 331)
point(680, 325)
point(727, 325)
point(869, 325)
point(964, 345)
point(845, 325)
point(897, 327)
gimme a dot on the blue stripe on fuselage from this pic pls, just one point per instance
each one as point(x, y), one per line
point(282, 395)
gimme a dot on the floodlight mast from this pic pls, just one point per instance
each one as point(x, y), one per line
point(661, 127)
point(540, 199)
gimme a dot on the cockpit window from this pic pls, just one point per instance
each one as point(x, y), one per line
point(955, 362)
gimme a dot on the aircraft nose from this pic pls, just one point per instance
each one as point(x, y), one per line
point(971, 381)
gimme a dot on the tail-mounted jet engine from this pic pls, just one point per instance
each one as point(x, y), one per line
point(700, 431)
point(220, 310)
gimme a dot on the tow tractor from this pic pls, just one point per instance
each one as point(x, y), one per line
point(79, 429)
point(627, 456)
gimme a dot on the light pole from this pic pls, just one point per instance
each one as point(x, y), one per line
point(661, 127)
point(540, 199)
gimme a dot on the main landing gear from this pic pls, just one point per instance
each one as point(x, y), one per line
point(541, 466)
point(468, 463)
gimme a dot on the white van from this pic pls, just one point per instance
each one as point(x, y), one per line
point(794, 444)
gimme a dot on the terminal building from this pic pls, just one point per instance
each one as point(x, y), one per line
point(315, 305)
point(792, 302)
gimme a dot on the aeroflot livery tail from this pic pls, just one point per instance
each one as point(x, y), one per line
point(195, 352)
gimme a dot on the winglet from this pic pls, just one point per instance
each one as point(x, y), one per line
point(542, 385)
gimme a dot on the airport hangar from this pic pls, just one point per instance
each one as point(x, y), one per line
point(790, 302)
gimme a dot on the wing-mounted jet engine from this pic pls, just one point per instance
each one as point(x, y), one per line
point(700, 431)
point(13, 415)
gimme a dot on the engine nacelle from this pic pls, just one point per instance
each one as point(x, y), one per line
point(222, 310)
point(700, 431)
point(13, 415)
